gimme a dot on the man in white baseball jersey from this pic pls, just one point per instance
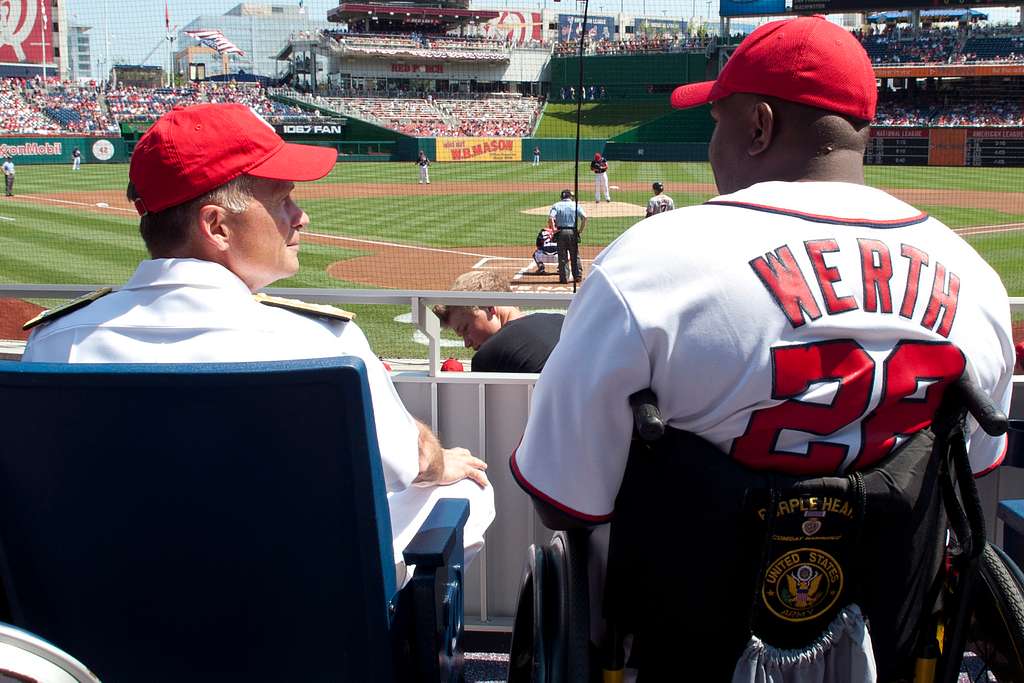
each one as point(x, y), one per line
point(803, 324)
point(600, 168)
point(424, 163)
point(660, 202)
point(8, 169)
point(216, 238)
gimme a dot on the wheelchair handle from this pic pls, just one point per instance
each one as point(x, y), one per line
point(646, 416)
point(981, 407)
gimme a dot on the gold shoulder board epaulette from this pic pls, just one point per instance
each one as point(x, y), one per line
point(61, 311)
point(304, 307)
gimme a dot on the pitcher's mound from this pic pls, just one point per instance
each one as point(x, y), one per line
point(597, 210)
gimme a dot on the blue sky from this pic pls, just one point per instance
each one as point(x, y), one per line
point(136, 27)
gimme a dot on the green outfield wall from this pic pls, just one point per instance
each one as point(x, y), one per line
point(629, 76)
point(560, 149)
point(58, 149)
point(677, 136)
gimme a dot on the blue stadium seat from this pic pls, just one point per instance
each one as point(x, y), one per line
point(217, 522)
point(62, 115)
point(1012, 514)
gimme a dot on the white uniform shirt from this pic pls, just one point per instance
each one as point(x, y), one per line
point(774, 327)
point(660, 203)
point(192, 311)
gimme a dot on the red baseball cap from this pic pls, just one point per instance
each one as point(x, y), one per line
point(452, 365)
point(808, 60)
point(190, 151)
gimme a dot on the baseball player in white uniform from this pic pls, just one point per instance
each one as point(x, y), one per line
point(600, 168)
point(802, 327)
point(215, 239)
point(660, 202)
point(424, 163)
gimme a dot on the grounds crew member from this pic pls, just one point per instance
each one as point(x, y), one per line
point(213, 184)
point(808, 328)
point(563, 220)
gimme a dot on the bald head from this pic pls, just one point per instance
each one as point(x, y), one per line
point(759, 138)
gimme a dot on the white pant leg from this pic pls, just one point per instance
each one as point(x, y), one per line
point(410, 507)
point(602, 183)
point(77, 163)
point(424, 174)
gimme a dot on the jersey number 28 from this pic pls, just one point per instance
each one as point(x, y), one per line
point(914, 375)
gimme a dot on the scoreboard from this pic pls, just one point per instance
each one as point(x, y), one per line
point(944, 146)
point(898, 147)
point(995, 147)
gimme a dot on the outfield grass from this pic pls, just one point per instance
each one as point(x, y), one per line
point(63, 243)
point(599, 120)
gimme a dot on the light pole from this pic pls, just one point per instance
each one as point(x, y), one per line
point(106, 36)
point(170, 60)
point(45, 26)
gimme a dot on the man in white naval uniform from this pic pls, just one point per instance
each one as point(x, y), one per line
point(213, 186)
point(803, 324)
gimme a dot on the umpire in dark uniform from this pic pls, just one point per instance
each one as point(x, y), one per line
point(563, 218)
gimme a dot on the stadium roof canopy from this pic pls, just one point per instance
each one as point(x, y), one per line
point(932, 14)
point(349, 10)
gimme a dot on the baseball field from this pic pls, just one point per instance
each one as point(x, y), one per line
point(373, 226)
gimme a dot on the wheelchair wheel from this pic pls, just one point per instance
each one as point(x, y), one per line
point(996, 631)
point(528, 656)
point(551, 633)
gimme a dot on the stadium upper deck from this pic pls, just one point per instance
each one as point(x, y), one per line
point(470, 94)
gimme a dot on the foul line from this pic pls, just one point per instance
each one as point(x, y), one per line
point(399, 246)
point(65, 201)
point(988, 229)
point(5, 218)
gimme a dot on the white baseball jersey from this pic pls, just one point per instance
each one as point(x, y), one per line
point(193, 311)
point(800, 327)
point(659, 203)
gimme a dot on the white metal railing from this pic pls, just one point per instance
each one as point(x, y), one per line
point(419, 302)
point(487, 413)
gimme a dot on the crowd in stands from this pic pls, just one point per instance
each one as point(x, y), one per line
point(493, 116)
point(145, 104)
point(34, 107)
point(637, 45)
point(496, 115)
point(1001, 113)
point(452, 48)
point(964, 44)
point(934, 46)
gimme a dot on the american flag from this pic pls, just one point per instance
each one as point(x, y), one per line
point(215, 39)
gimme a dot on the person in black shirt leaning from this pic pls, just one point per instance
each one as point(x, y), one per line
point(505, 338)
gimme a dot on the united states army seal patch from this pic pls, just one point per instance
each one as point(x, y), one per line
point(802, 584)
